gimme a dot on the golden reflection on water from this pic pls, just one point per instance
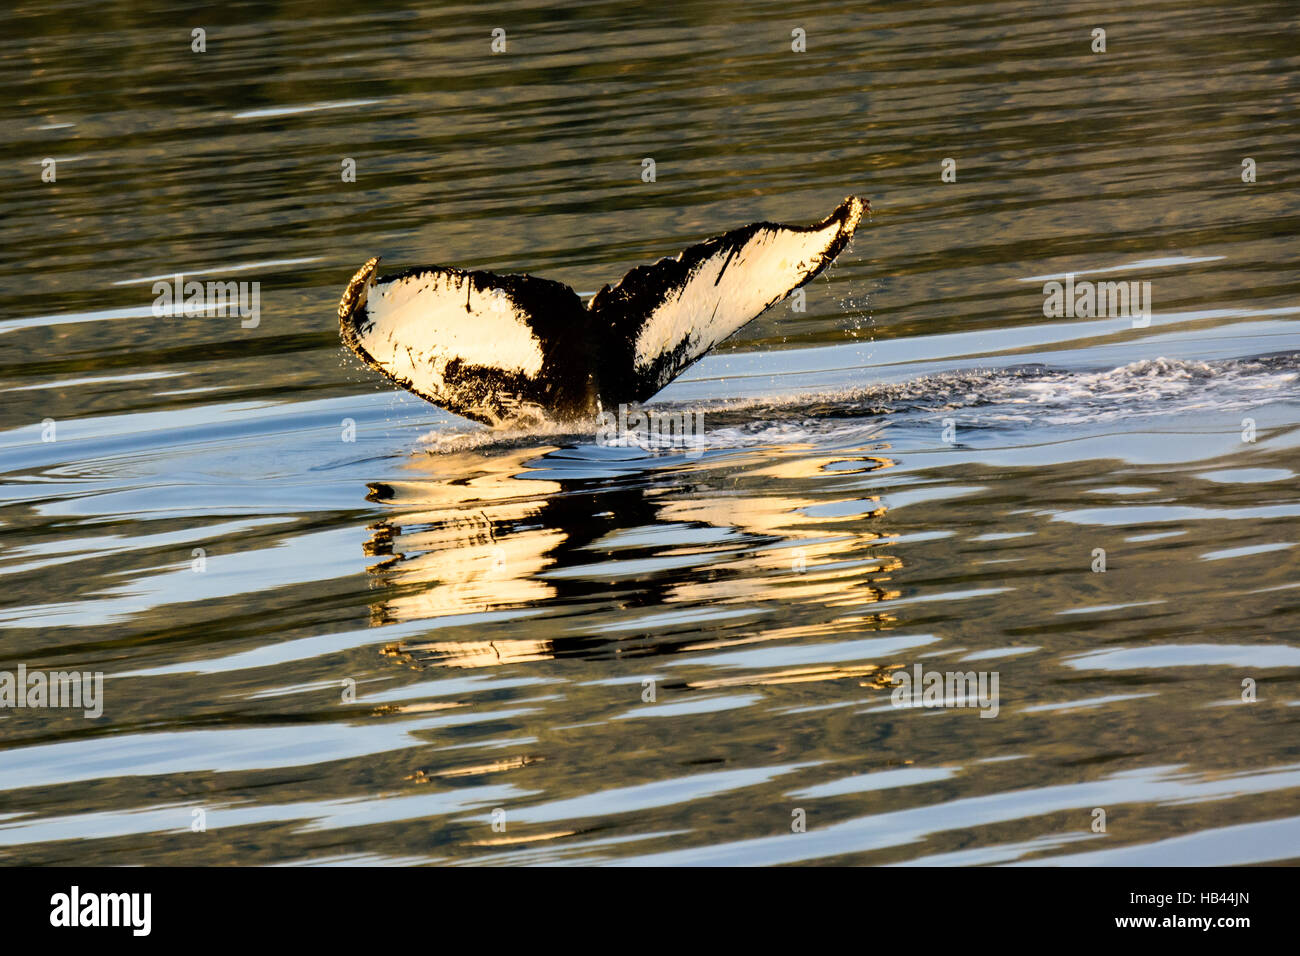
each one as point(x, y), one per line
point(496, 536)
point(798, 675)
point(443, 551)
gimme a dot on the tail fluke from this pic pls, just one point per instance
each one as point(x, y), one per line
point(493, 348)
point(504, 348)
point(660, 319)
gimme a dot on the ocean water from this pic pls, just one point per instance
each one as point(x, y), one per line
point(337, 625)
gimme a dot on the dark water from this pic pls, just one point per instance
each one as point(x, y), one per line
point(920, 469)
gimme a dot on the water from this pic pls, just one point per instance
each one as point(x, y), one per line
point(393, 637)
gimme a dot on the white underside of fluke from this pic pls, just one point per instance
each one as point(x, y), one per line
point(730, 288)
point(415, 325)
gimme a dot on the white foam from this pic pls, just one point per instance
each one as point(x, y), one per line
point(991, 398)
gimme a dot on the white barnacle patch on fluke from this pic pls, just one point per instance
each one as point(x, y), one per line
point(415, 325)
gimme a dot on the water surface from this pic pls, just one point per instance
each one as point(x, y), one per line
point(325, 650)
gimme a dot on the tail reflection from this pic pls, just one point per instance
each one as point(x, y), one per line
point(557, 532)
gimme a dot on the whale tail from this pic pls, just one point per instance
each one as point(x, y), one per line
point(504, 348)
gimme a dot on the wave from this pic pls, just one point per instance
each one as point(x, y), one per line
point(1018, 395)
